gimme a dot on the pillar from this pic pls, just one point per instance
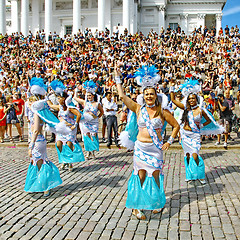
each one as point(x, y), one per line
point(14, 16)
point(184, 22)
point(35, 16)
point(24, 17)
point(161, 17)
point(48, 17)
point(76, 16)
point(201, 20)
point(3, 16)
point(101, 15)
point(126, 14)
point(218, 22)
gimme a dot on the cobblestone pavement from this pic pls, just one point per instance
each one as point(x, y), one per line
point(90, 204)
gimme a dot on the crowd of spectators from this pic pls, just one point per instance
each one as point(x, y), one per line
point(210, 57)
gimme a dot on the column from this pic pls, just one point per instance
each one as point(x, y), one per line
point(184, 22)
point(14, 16)
point(48, 17)
point(108, 15)
point(101, 15)
point(201, 20)
point(76, 16)
point(24, 17)
point(2, 16)
point(135, 17)
point(126, 14)
point(35, 16)
point(218, 22)
point(161, 17)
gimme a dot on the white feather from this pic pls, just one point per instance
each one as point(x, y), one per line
point(125, 141)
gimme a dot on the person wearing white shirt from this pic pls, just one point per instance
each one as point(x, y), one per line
point(110, 109)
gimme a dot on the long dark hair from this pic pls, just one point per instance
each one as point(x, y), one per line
point(187, 109)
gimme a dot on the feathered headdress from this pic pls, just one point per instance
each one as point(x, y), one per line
point(57, 87)
point(90, 86)
point(37, 86)
point(190, 87)
point(147, 76)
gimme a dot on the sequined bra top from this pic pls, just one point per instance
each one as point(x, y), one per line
point(156, 122)
point(197, 119)
point(66, 115)
point(90, 108)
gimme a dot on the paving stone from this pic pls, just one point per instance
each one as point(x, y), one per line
point(90, 204)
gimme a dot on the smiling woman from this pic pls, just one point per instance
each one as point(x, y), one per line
point(145, 187)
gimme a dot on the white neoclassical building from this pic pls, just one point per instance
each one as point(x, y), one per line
point(67, 16)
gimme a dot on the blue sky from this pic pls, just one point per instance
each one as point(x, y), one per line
point(231, 13)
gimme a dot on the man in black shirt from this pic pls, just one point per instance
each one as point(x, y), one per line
point(225, 117)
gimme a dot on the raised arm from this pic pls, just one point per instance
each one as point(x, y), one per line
point(133, 106)
point(172, 95)
point(51, 105)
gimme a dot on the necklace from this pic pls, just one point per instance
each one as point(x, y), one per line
point(194, 107)
point(150, 106)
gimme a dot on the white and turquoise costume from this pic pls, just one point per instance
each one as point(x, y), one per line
point(47, 177)
point(191, 140)
point(67, 155)
point(149, 157)
point(90, 127)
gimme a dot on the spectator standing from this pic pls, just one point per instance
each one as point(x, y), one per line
point(3, 123)
point(224, 118)
point(110, 109)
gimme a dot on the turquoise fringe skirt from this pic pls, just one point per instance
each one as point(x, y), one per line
point(46, 178)
point(91, 144)
point(194, 171)
point(148, 196)
point(69, 156)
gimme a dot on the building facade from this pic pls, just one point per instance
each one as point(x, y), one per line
point(67, 16)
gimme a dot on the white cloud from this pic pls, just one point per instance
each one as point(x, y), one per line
point(231, 11)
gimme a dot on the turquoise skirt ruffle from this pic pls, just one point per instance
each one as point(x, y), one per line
point(91, 144)
point(46, 178)
point(149, 196)
point(194, 171)
point(69, 156)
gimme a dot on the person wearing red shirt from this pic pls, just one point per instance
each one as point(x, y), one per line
point(188, 74)
point(20, 103)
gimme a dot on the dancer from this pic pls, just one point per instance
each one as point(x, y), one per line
point(193, 125)
point(42, 174)
point(145, 187)
point(68, 149)
point(89, 126)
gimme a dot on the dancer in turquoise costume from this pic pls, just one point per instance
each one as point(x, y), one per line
point(42, 174)
point(68, 148)
point(89, 125)
point(196, 121)
point(145, 187)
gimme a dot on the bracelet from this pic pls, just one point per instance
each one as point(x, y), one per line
point(31, 145)
point(76, 123)
point(170, 140)
point(118, 80)
point(171, 89)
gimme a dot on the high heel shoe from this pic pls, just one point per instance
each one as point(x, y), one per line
point(139, 214)
point(70, 167)
point(47, 193)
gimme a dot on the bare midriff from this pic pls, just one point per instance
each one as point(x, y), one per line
point(143, 135)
